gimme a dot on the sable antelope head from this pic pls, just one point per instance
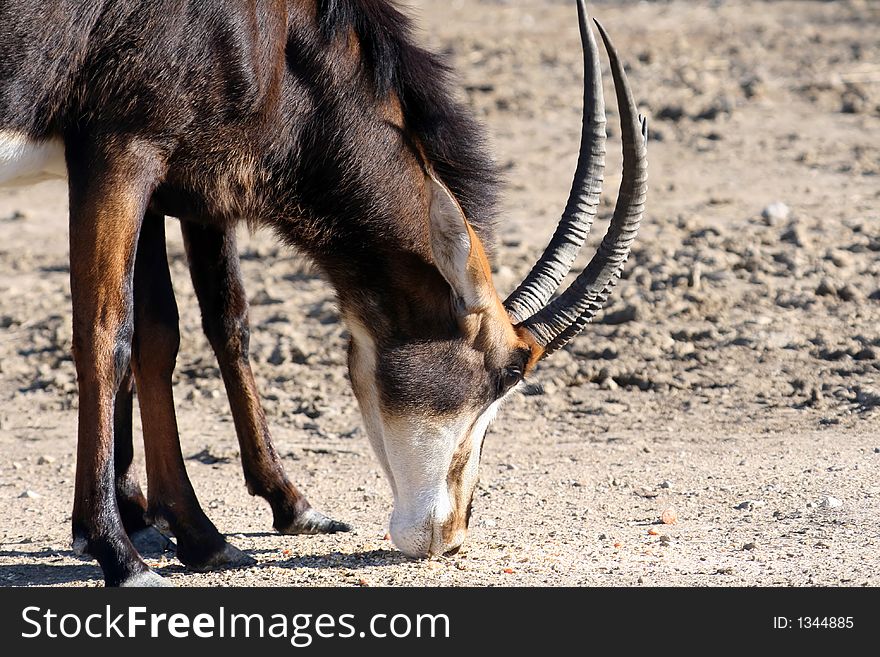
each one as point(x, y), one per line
point(428, 401)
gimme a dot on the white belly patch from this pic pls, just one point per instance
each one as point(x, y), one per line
point(24, 161)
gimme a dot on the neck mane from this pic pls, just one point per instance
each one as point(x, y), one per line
point(377, 103)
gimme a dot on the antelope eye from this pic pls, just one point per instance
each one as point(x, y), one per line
point(509, 377)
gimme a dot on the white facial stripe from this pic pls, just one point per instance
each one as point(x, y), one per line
point(24, 161)
point(417, 451)
point(364, 364)
point(420, 451)
point(421, 454)
point(472, 470)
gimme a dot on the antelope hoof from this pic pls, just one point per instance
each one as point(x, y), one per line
point(228, 557)
point(313, 522)
point(150, 542)
point(146, 579)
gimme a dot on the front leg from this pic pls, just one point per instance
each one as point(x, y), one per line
point(172, 500)
point(216, 276)
point(110, 183)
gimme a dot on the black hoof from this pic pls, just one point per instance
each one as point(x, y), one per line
point(313, 522)
point(229, 557)
point(146, 579)
point(150, 542)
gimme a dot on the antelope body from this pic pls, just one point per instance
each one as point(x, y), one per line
point(323, 121)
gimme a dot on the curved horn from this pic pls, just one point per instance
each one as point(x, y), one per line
point(565, 317)
point(583, 201)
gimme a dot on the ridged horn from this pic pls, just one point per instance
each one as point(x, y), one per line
point(583, 200)
point(560, 321)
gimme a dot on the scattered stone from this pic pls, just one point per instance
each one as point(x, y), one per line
point(724, 571)
point(829, 502)
point(263, 298)
point(752, 86)
point(775, 213)
point(625, 315)
point(646, 493)
point(867, 353)
point(665, 539)
point(695, 276)
point(608, 383)
point(669, 517)
point(841, 259)
point(666, 484)
point(30, 495)
point(826, 289)
point(670, 113)
point(750, 505)
point(16, 465)
point(45, 460)
point(848, 293)
point(750, 546)
point(718, 107)
point(277, 356)
point(17, 215)
point(206, 457)
point(795, 235)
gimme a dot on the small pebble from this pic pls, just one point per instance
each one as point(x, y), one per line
point(45, 460)
point(608, 383)
point(750, 546)
point(669, 517)
point(826, 289)
point(666, 484)
point(30, 495)
point(848, 293)
point(775, 213)
point(829, 502)
point(748, 505)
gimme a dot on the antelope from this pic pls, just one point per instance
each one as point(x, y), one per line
point(323, 121)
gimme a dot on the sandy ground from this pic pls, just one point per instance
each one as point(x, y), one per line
point(735, 378)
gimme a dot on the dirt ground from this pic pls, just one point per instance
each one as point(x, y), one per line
point(735, 378)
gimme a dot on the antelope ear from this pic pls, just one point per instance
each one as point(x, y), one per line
point(458, 252)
